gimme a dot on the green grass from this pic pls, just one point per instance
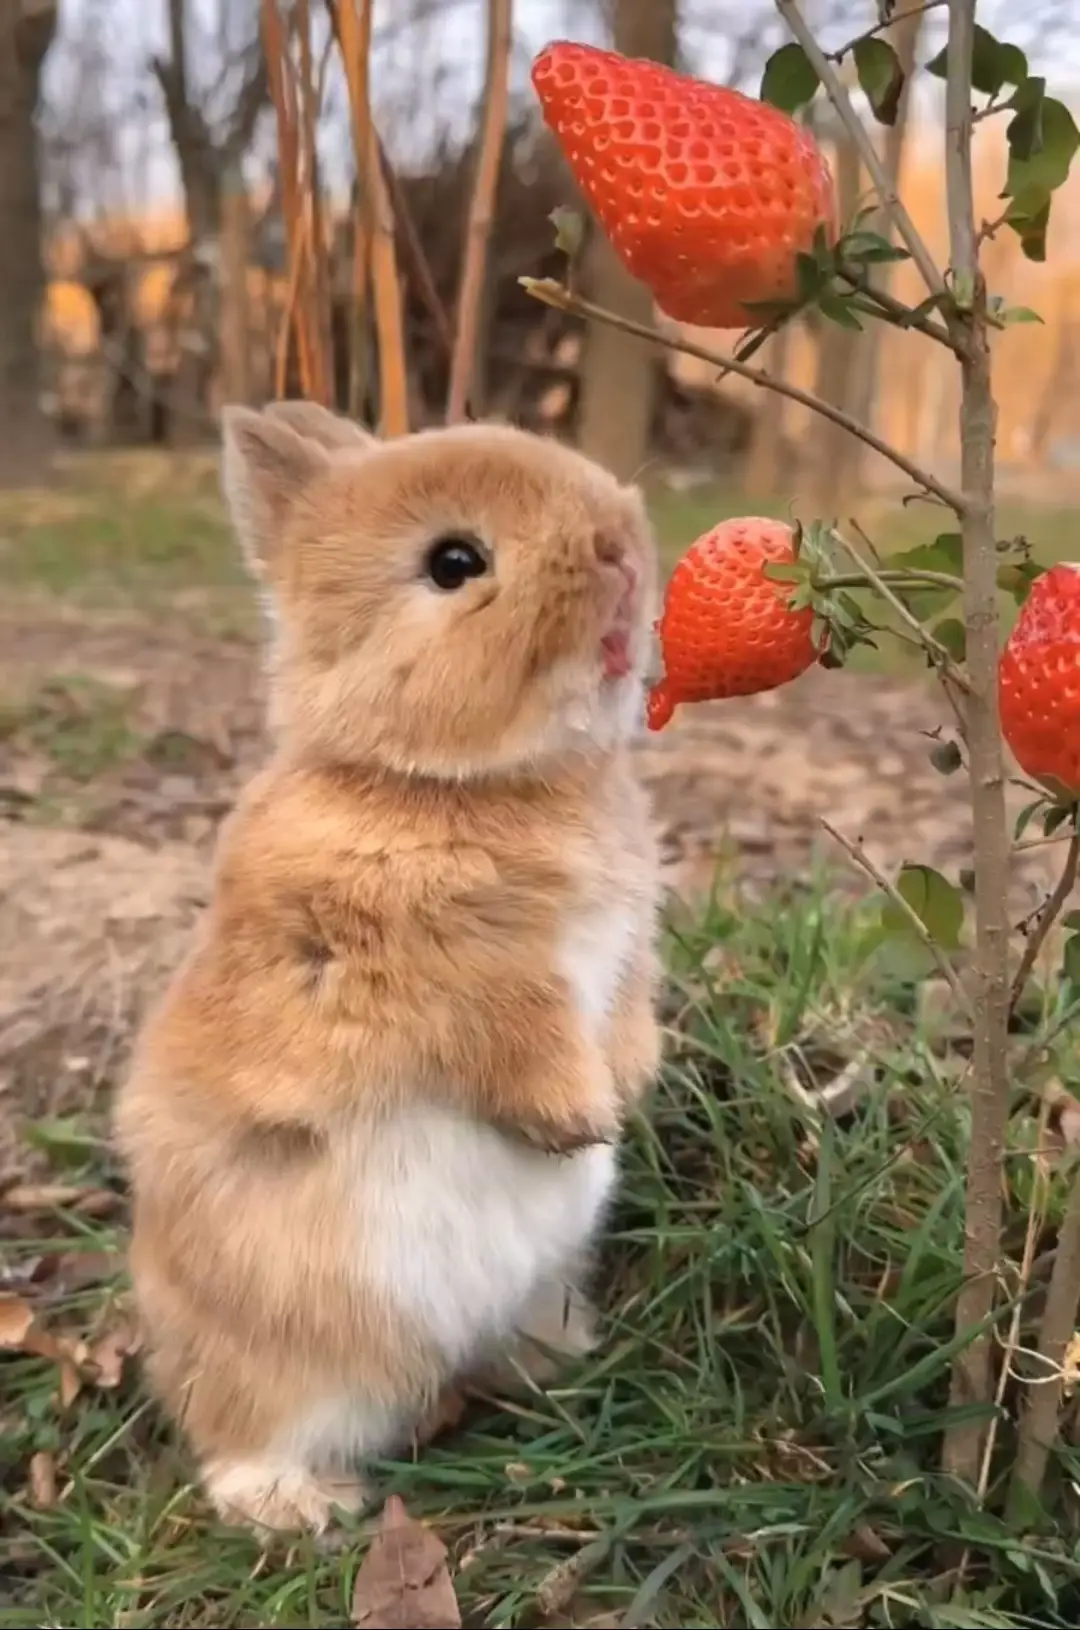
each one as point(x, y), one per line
point(149, 536)
point(757, 1441)
point(129, 535)
point(79, 723)
point(1053, 530)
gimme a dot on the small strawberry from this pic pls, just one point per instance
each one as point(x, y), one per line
point(1039, 682)
point(726, 628)
point(706, 195)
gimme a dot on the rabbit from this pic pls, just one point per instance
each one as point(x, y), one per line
point(371, 1127)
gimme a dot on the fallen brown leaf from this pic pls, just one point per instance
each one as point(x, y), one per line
point(20, 1331)
point(560, 1585)
point(16, 1322)
point(70, 1383)
point(46, 1196)
point(404, 1582)
point(866, 1545)
point(42, 1479)
point(108, 1352)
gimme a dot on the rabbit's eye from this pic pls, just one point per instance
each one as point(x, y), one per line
point(453, 560)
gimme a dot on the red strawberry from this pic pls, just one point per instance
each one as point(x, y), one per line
point(727, 629)
point(706, 195)
point(1039, 682)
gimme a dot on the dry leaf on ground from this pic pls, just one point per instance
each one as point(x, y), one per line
point(404, 1582)
point(20, 1331)
point(108, 1352)
point(70, 1384)
point(42, 1479)
point(88, 1202)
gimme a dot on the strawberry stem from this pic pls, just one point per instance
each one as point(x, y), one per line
point(899, 577)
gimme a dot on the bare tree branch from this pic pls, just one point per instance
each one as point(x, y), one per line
point(481, 210)
point(551, 293)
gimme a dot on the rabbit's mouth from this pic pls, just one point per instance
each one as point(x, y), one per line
point(615, 653)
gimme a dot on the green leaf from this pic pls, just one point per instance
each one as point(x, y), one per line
point(1024, 131)
point(1017, 576)
point(1045, 170)
point(945, 554)
point(925, 308)
point(1071, 919)
point(837, 308)
point(992, 63)
point(901, 953)
point(1056, 816)
point(952, 636)
point(1017, 314)
point(783, 571)
point(859, 242)
point(1070, 959)
point(880, 76)
point(936, 902)
point(1023, 820)
point(569, 229)
point(946, 757)
point(1029, 218)
point(811, 277)
point(790, 80)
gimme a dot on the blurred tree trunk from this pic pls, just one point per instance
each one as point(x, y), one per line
point(26, 32)
point(765, 460)
point(765, 468)
point(206, 159)
point(904, 36)
point(618, 376)
point(831, 449)
point(235, 314)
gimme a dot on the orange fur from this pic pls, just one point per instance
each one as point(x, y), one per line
point(414, 907)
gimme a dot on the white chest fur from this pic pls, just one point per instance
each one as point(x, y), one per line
point(459, 1225)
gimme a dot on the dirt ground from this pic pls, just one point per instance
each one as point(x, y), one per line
point(107, 819)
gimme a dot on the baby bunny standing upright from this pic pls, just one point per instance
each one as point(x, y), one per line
point(371, 1128)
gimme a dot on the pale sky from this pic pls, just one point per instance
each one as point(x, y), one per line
point(427, 78)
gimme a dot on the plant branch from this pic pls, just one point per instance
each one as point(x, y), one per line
point(417, 264)
point(841, 101)
point(1039, 1421)
point(894, 312)
point(879, 28)
point(859, 580)
point(989, 986)
point(376, 224)
point(889, 889)
point(550, 293)
point(1046, 919)
point(481, 209)
point(937, 653)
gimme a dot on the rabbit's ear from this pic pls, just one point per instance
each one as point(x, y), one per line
point(319, 424)
point(265, 465)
